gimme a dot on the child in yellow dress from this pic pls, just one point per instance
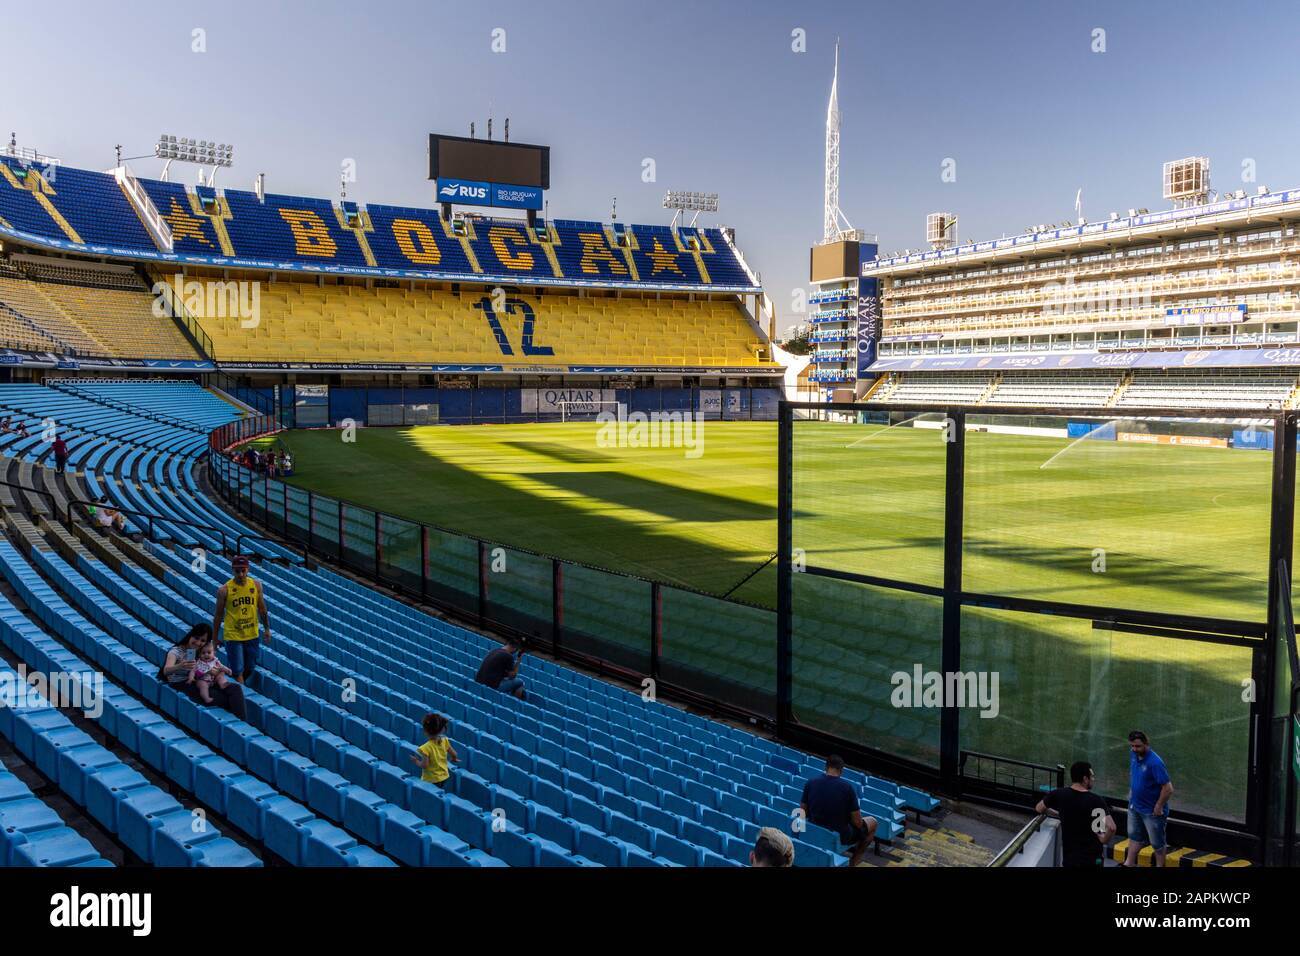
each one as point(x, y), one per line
point(433, 755)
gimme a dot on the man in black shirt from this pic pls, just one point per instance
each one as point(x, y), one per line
point(500, 670)
point(1086, 823)
point(830, 801)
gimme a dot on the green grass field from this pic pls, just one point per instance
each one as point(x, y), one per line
point(1156, 527)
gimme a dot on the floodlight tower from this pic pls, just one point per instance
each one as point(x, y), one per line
point(1187, 181)
point(201, 153)
point(832, 215)
point(682, 200)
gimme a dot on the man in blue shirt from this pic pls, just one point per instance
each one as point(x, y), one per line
point(830, 801)
point(1148, 799)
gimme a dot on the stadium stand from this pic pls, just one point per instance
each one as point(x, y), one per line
point(302, 321)
point(958, 387)
point(1265, 389)
point(1244, 388)
point(31, 833)
point(586, 773)
point(80, 207)
point(83, 311)
point(1055, 388)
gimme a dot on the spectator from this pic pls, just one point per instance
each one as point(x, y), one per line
point(500, 669)
point(434, 753)
point(5, 425)
point(241, 605)
point(182, 660)
point(60, 455)
point(22, 430)
point(830, 801)
point(208, 671)
point(1086, 823)
point(106, 516)
point(1149, 791)
point(772, 848)
point(116, 519)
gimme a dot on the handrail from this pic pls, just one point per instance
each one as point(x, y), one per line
point(1017, 844)
point(225, 535)
point(1283, 579)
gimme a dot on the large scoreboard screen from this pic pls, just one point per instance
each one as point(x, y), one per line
point(518, 164)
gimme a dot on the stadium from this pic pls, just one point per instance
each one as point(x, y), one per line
point(377, 535)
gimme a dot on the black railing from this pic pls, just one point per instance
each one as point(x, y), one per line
point(249, 396)
point(958, 589)
point(995, 773)
point(1282, 846)
point(1017, 843)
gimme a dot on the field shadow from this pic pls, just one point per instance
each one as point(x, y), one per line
point(558, 452)
point(645, 494)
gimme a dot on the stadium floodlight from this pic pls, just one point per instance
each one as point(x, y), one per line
point(201, 152)
point(682, 200)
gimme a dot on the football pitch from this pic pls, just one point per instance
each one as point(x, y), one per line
point(1170, 528)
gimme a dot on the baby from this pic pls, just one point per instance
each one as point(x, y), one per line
point(207, 671)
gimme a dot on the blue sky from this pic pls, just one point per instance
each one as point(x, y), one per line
point(712, 91)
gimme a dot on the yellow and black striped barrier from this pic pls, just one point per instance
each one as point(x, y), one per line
point(1185, 856)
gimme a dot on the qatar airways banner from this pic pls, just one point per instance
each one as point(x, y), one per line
point(1046, 361)
point(577, 400)
point(869, 324)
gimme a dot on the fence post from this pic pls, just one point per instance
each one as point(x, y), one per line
point(341, 561)
point(557, 604)
point(950, 653)
point(482, 582)
point(424, 562)
point(311, 519)
point(379, 548)
point(785, 582)
point(1259, 807)
point(656, 629)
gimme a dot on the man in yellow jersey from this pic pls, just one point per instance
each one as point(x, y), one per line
point(241, 605)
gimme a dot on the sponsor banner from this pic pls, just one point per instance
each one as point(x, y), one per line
point(870, 325)
point(469, 192)
point(920, 337)
point(553, 400)
point(516, 197)
point(1206, 315)
point(1192, 358)
point(1145, 438)
point(1256, 438)
point(465, 192)
point(752, 371)
point(671, 370)
point(835, 295)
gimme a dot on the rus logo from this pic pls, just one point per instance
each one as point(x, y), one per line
point(460, 190)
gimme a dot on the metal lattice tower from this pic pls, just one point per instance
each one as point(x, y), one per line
point(831, 211)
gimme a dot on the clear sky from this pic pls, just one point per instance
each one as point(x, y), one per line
point(712, 91)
